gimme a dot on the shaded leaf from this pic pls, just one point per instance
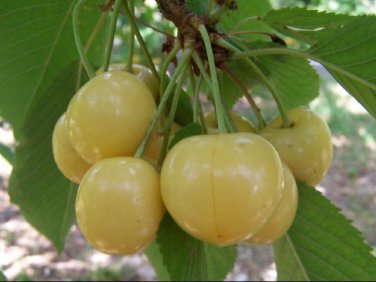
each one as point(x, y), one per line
point(2, 277)
point(220, 261)
point(230, 89)
point(155, 258)
point(188, 259)
point(45, 197)
point(296, 82)
point(183, 256)
point(40, 57)
point(184, 111)
point(199, 7)
point(189, 130)
point(7, 153)
point(235, 20)
point(322, 244)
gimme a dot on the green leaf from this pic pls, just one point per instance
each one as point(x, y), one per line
point(236, 20)
point(349, 54)
point(36, 39)
point(199, 7)
point(39, 62)
point(183, 256)
point(46, 198)
point(7, 153)
point(229, 89)
point(305, 25)
point(184, 111)
point(2, 277)
point(220, 261)
point(322, 244)
point(188, 259)
point(189, 130)
point(155, 258)
point(295, 80)
point(289, 265)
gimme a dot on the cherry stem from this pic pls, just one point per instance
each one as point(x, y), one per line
point(75, 17)
point(264, 79)
point(111, 35)
point(155, 28)
point(131, 42)
point(248, 96)
point(89, 43)
point(196, 98)
point(198, 112)
point(164, 67)
point(243, 21)
point(214, 79)
point(162, 104)
point(163, 74)
point(171, 116)
point(230, 124)
point(140, 39)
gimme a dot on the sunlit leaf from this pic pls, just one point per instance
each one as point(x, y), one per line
point(322, 245)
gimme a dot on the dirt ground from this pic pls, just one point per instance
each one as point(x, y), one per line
point(350, 184)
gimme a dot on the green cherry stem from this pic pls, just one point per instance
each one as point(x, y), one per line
point(129, 66)
point(88, 44)
point(264, 79)
point(198, 112)
point(171, 116)
point(75, 18)
point(196, 99)
point(246, 20)
point(111, 35)
point(166, 62)
point(214, 79)
point(248, 96)
point(201, 67)
point(139, 37)
point(166, 95)
point(230, 124)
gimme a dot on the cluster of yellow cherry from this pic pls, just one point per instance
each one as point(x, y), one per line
point(220, 188)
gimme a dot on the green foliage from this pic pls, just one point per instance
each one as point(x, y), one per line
point(40, 51)
point(2, 277)
point(351, 56)
point(322, 244)
point(245, 76)
point(156, 260)
point(41, 65)
point(239, 19)
point(304, 25)
point(185, 258)
point(189, 130)
point(45, 197)
point(199, 7)
point(7, 153)
point(291, 77)
point(184, 111)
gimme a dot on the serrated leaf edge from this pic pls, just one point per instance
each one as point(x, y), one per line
point(292, 246)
